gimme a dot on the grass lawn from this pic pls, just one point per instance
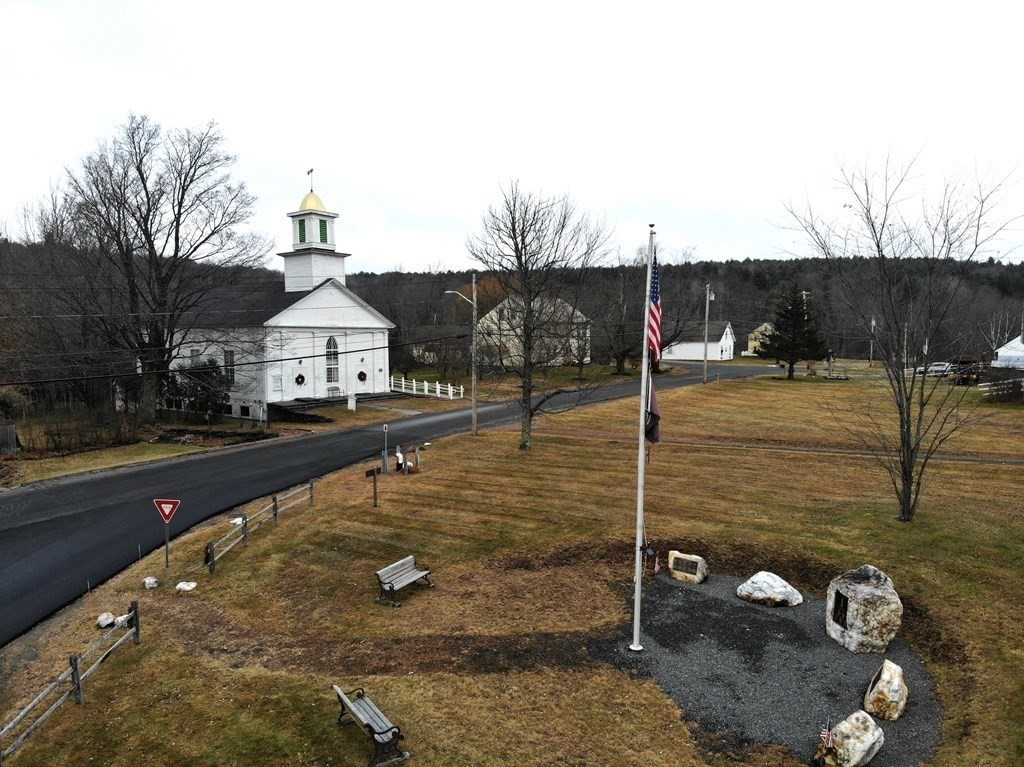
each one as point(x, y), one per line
point(532, 554)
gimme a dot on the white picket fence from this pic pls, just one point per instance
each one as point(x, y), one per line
point(426, 388)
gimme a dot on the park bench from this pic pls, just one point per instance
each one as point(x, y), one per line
point(385, 736)
point(399, 575)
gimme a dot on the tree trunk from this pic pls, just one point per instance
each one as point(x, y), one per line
point(526, 430)
point(789, 372)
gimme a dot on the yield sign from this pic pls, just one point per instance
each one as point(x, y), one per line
point(166, 507)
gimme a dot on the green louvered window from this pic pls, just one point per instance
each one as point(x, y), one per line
point(302, 230)
point(323, 231)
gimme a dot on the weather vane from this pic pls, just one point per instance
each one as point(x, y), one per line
point(310, 174)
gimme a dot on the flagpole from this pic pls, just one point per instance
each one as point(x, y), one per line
point(645, 375)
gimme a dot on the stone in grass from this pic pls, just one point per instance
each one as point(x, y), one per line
point(687, 567)
point(854, 742)
point(766, 588)
point(105, 620)
point(863, 610)
point(150, 582)
point(886, 697)
point(186, 586)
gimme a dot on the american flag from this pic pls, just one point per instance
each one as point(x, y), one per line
point(654, 315)
point(826, 737)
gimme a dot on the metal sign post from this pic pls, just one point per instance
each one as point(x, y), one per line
point(167, 507)
point(385, 461)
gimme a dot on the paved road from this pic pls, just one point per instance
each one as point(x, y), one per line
point(59, 535)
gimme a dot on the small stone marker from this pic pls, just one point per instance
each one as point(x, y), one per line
point(886, 697)
point(186, 586)
point(687, 567)
point(105, 620)
point(766, 588)
point(863, 610)
point(855, 741)
point(150, 582)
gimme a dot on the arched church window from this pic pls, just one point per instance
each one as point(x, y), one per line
point(332, 360)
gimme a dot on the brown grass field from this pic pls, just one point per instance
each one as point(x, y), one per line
point(532, 554)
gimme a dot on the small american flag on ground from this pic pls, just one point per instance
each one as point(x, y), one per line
point(826, 737)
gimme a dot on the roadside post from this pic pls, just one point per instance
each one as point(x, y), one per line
point(373, 473)
point(385, 461)
point(166, 507)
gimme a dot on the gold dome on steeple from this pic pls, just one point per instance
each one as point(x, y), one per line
point(312, 201)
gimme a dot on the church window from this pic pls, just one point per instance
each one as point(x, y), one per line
point(332, 360)
point(194, 356)
point(229, 365)
point(323, 231)
point(302, 230)
point(277, 381)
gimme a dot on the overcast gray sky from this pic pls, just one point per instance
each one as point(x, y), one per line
point(703, 118)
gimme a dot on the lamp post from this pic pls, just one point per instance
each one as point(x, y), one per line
point(709, 296)
point(472, 302)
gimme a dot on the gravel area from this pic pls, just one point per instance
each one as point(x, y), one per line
point(769, 675)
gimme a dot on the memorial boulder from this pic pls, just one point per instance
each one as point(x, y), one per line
point(863, 610)
point(687, 567)
point(766, 588)
point(886, 697)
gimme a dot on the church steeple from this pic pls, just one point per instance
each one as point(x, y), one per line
point(313, 258)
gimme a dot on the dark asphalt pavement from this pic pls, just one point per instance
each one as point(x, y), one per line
point(58, 536)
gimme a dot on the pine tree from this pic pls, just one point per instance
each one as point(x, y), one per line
point(794, 336)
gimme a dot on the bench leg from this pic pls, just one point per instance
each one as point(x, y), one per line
point(388, 753)
point(385, 598)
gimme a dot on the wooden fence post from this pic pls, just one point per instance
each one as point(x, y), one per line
point(245, 530)
point(76, 680)
point(135, 622)
point(311, 492)
point(211, 557)
point(275, 511)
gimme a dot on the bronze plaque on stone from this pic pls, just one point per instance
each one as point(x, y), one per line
point(840, 604)
point(681, 565)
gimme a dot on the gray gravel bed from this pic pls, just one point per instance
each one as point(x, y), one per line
point(769, 675)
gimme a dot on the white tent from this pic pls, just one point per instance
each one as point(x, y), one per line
point(1010, 355)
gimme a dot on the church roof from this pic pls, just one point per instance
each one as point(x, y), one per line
point(247, 305)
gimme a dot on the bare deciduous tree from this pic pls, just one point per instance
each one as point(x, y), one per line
point(901, 264)
point(147, 226)
point(538, 249)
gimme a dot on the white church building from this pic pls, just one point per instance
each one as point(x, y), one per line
point(309, 337)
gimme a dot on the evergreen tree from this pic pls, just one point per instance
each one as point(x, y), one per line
point(794, 336)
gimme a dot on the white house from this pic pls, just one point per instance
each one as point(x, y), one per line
point(1010, 354)
point(690, 346)
point(304, 336)
point(563, 333)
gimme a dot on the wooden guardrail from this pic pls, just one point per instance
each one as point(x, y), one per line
point(251, 523)
point(128, 623)
point(998, 389)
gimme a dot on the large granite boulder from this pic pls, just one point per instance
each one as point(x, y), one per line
point(687, 567)
point(863, 610)
point(766, 588)
point(886, 696)
point(851, 743)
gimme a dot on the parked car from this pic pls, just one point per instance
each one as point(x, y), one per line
point(935, 370)
point(965, 375)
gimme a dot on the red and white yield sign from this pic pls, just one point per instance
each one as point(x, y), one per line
point(166, 507)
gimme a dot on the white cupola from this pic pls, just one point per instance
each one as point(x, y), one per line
point(314, 257)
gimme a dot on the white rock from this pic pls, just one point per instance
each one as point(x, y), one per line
point(766, 588)
point(855, 741)
point(863, 611)
point(105, 620)
point(687, 567)
point(886, 697)
point(120, 620)
point(186, 586)
point(236, 521)
point(150, 582)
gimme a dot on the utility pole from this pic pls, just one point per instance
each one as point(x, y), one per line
point(871, 348)
point(473, 346)
point(708, 298)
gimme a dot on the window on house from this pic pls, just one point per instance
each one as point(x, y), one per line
point(332, 360)
point(243, 411)
point(302, 230)
point(277, 383)
point(229, 365)
point(194, 356)
point(323, 231)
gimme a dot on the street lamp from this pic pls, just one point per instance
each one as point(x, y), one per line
point(472, 302)
point(709, 296)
